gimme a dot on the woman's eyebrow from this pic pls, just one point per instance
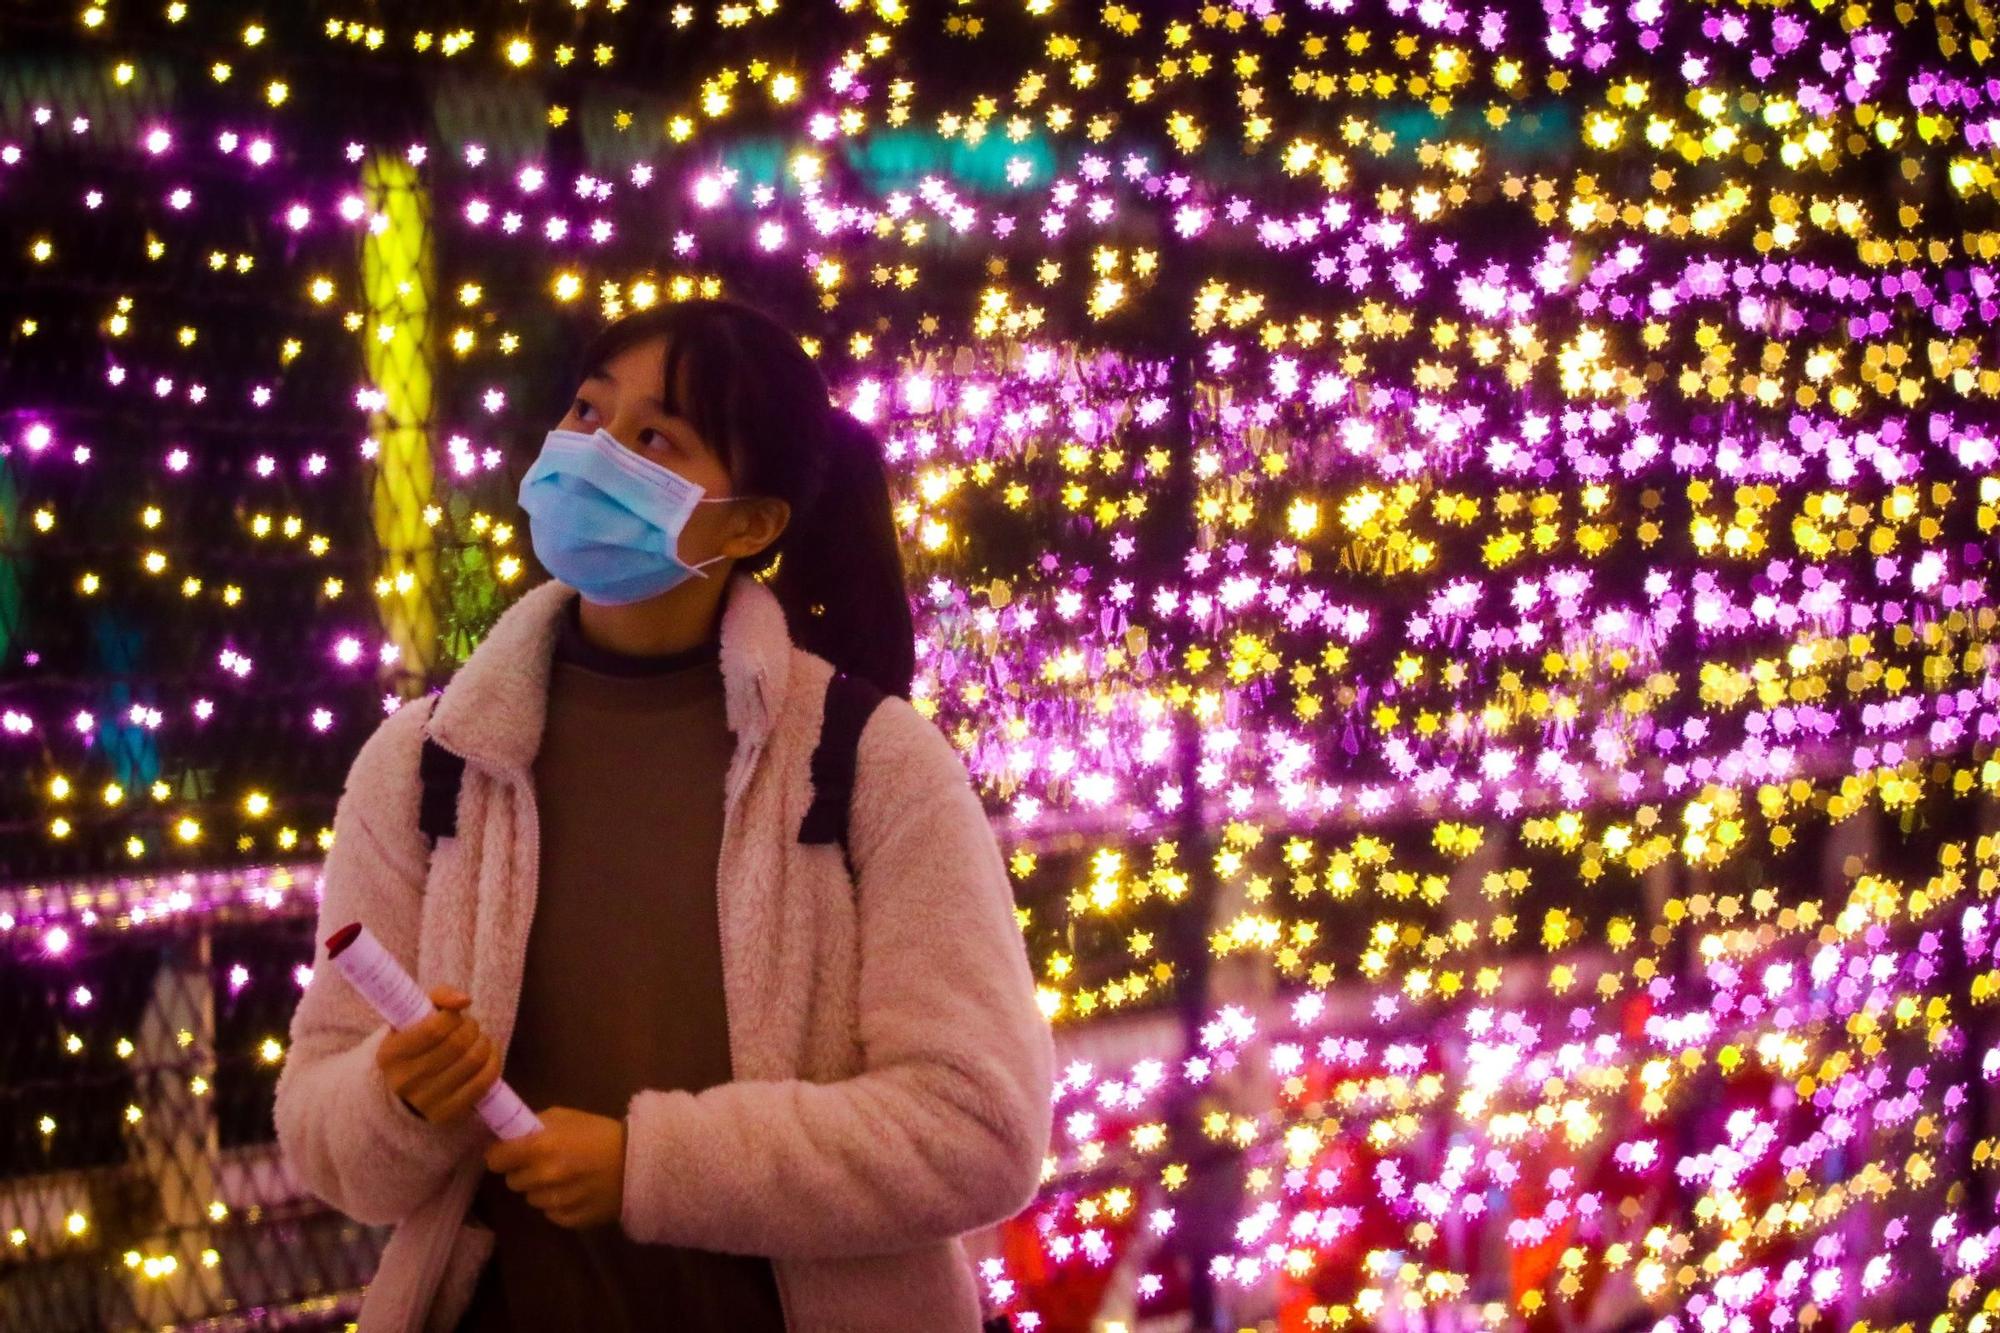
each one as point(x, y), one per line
point(600, 373)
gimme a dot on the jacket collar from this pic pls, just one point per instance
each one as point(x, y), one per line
point(493, 708)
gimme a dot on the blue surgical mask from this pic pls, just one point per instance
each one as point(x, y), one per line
point(606, 521)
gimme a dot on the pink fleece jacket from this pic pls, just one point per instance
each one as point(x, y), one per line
point(893, 1074)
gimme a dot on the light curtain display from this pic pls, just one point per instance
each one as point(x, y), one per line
point(1455, 539)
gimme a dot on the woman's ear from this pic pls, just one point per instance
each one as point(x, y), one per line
point(755, 525)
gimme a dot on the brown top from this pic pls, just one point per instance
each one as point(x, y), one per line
point(622, 987)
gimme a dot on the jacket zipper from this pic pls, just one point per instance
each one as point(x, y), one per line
point(525, 784)
point(522, 781)
point(729, 812)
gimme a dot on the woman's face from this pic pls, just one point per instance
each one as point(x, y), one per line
point(622, 397)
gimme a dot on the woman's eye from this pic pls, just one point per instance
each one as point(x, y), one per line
point(581, 408)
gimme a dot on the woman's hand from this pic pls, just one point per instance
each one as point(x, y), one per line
point(442, 1065)
point(574, 1170)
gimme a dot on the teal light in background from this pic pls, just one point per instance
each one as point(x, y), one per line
point(118, 656)
point(896, 159)
point(759, 160)
point(1542, 130)
point(901, 159)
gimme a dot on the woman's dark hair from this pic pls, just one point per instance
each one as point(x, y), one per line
point(749, 389)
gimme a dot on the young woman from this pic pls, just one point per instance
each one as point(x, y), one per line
point(773, 1092)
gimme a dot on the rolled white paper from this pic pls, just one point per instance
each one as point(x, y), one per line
point(393, 993)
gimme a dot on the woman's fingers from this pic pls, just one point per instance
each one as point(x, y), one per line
point(529, 1178)
point(546, 1173)
point(555, 1198)
point(427, 1065)
point(420, 1038)
point(448, 1074)
point(469, 1092)
point(427, 1047)
point(424, 1034)
point(435, 1089)
point(578, 1213)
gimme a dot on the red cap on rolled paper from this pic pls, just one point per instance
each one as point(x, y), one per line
point(341, 938)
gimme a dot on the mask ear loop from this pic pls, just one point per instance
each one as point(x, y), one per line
point(697, 570)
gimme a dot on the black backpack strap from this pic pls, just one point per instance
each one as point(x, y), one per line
point(849, 702)
point(439, 771)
